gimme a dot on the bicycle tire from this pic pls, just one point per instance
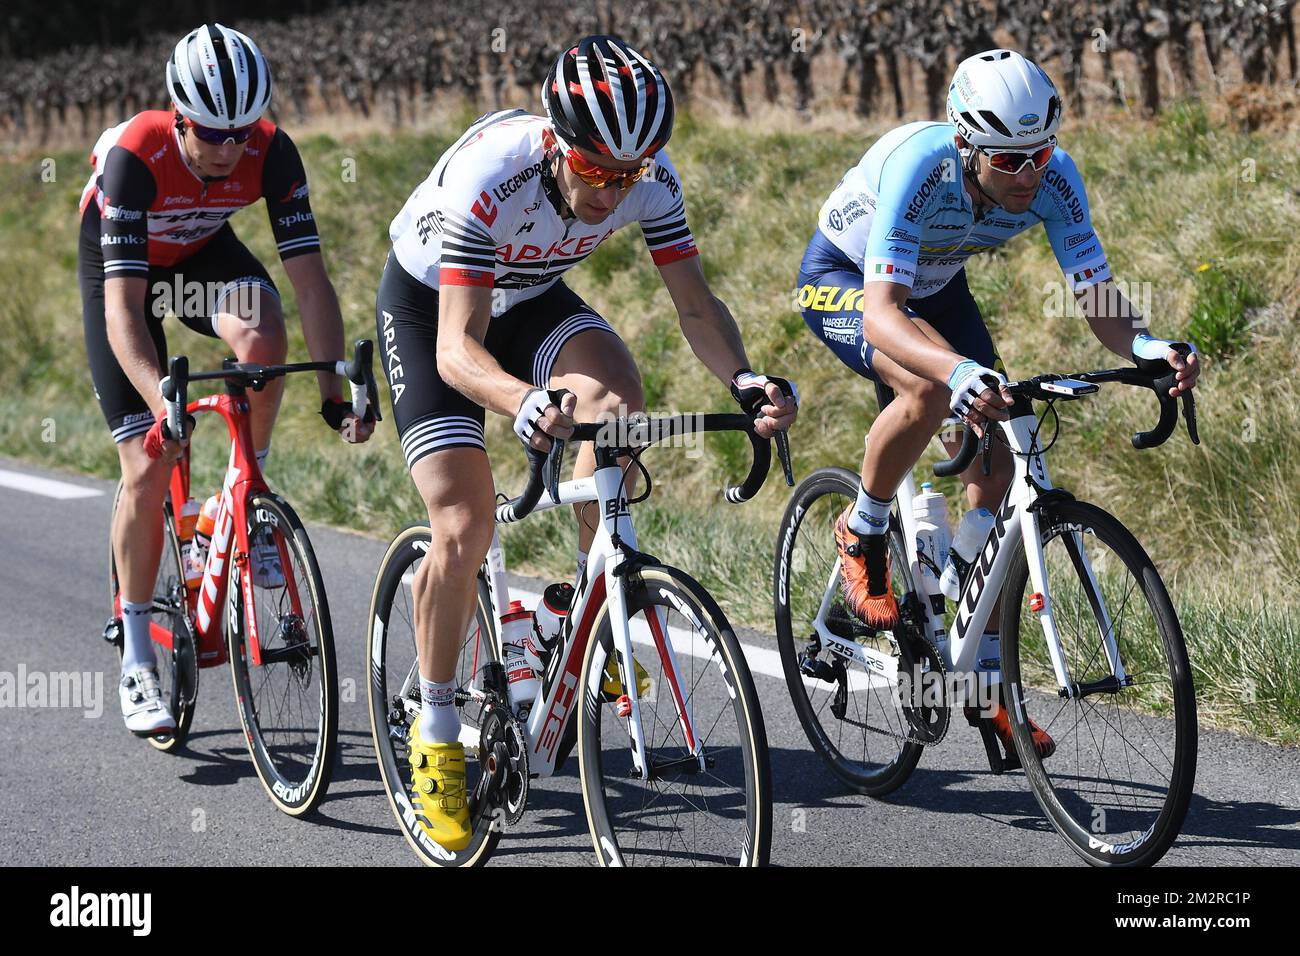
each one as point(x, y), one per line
point(617, 824)
point(824, 494)
point(177, 667)
point(1023, 663)
point(295, 762)
point(390, 651)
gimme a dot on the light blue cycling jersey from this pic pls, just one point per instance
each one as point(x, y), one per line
point(902, 214)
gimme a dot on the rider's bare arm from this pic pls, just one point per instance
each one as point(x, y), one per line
point(887, 327)
point(463, 316)
point(322, 322)
point(1115, 322)
point(128, 334)
point(705, 321)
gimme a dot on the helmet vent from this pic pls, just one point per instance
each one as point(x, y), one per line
point(1053, 107)
point(971, 121)
point(992, 120)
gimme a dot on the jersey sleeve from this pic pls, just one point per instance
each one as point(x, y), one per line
point(127, 189)
point(663, 220)
point(910, 182)
point(1063, 204)
point(284, 185)
point(469, 218)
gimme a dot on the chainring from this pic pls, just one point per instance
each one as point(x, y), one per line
point(503, 750)
point(926, 709)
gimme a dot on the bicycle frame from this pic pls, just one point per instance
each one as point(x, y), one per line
point(1017, 514)
point(243, 478)
point(600, 585)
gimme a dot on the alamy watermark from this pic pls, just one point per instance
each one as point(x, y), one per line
point(82, 690)
point(624, 429)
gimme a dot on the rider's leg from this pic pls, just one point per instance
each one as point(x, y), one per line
point(138, 541)
point(249, 319)
point(598, 368)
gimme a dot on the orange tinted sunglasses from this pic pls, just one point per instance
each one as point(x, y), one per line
point(598, 177)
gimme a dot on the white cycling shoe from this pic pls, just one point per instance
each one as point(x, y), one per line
point(143, 708)
point(267, 570)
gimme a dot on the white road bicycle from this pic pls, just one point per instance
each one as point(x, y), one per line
point(678, 775)
point(1091, 647)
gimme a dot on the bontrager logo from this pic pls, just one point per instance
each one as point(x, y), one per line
point(76, 909)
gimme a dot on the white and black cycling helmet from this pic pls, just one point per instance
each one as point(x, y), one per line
point(1001, 99)
point(604, 96)
point(218, 78)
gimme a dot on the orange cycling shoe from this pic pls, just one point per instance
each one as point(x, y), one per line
point(1043, 741)
point(864, 575)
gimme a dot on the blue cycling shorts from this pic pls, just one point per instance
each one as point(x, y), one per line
point(830, 297)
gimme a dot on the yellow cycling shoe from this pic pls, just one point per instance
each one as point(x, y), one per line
point(438, 791)
point(613, 687)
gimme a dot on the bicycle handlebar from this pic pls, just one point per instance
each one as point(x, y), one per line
point(358, 372)
point(623, 434)
point(1155, 374)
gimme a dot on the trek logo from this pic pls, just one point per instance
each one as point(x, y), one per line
point(217, 551)
point(295, 192)
point(485, 209)
point(76, 909)
point(980, 571)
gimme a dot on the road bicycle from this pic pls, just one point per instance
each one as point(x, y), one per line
point(277, 634)
point(1091, 647)
point(677, 774)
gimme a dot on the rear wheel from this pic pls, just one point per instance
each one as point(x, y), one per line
point(1121, 779)
point(394, 693)
point(289, 704)
point(174, 638)
point(855, 718)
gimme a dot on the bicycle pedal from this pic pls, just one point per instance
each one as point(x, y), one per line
point(113, 632)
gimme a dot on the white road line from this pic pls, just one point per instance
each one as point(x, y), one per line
point(45, 487)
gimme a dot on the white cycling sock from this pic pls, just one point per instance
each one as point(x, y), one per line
point(137, 647)
point(439, 722)
point(870, 514)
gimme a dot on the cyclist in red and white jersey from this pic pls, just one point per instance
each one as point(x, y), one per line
point(474, 314)
point(155, 238)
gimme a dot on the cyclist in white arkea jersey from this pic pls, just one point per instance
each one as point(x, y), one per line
point(473, 314)
point(883, 284)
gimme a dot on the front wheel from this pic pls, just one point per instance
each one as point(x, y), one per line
point(712, 806)
point(289, 704)
point(1119, 784)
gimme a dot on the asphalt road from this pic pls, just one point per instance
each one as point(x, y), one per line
point(78, 789)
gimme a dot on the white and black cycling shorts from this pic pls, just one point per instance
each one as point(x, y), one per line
point(525, 340)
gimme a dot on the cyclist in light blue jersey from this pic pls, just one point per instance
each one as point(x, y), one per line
point(883, 284)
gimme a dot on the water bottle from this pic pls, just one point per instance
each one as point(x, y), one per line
point(516, 625)
point(932, 538)
point(197, 555)
point(548, 621)
point(966, 543)
point(185, 523)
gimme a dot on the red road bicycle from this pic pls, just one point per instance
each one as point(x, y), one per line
point(277, 632)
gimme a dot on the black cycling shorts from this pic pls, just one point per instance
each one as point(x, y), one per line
point(830, 297)
point(223, 265)
point(526, 340)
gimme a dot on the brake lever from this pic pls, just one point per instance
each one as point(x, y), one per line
point(783, 453)
point(1189, 416)
point(986, 450)
point(554, 463)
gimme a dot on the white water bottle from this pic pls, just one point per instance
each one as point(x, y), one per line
point(516, 626)
point(932, 539)
point(548, 621)
point(966, 543)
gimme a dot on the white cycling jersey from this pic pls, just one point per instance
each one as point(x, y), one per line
point(484, 218)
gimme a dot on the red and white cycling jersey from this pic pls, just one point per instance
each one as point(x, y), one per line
point(154, 209)
point(483, 217)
